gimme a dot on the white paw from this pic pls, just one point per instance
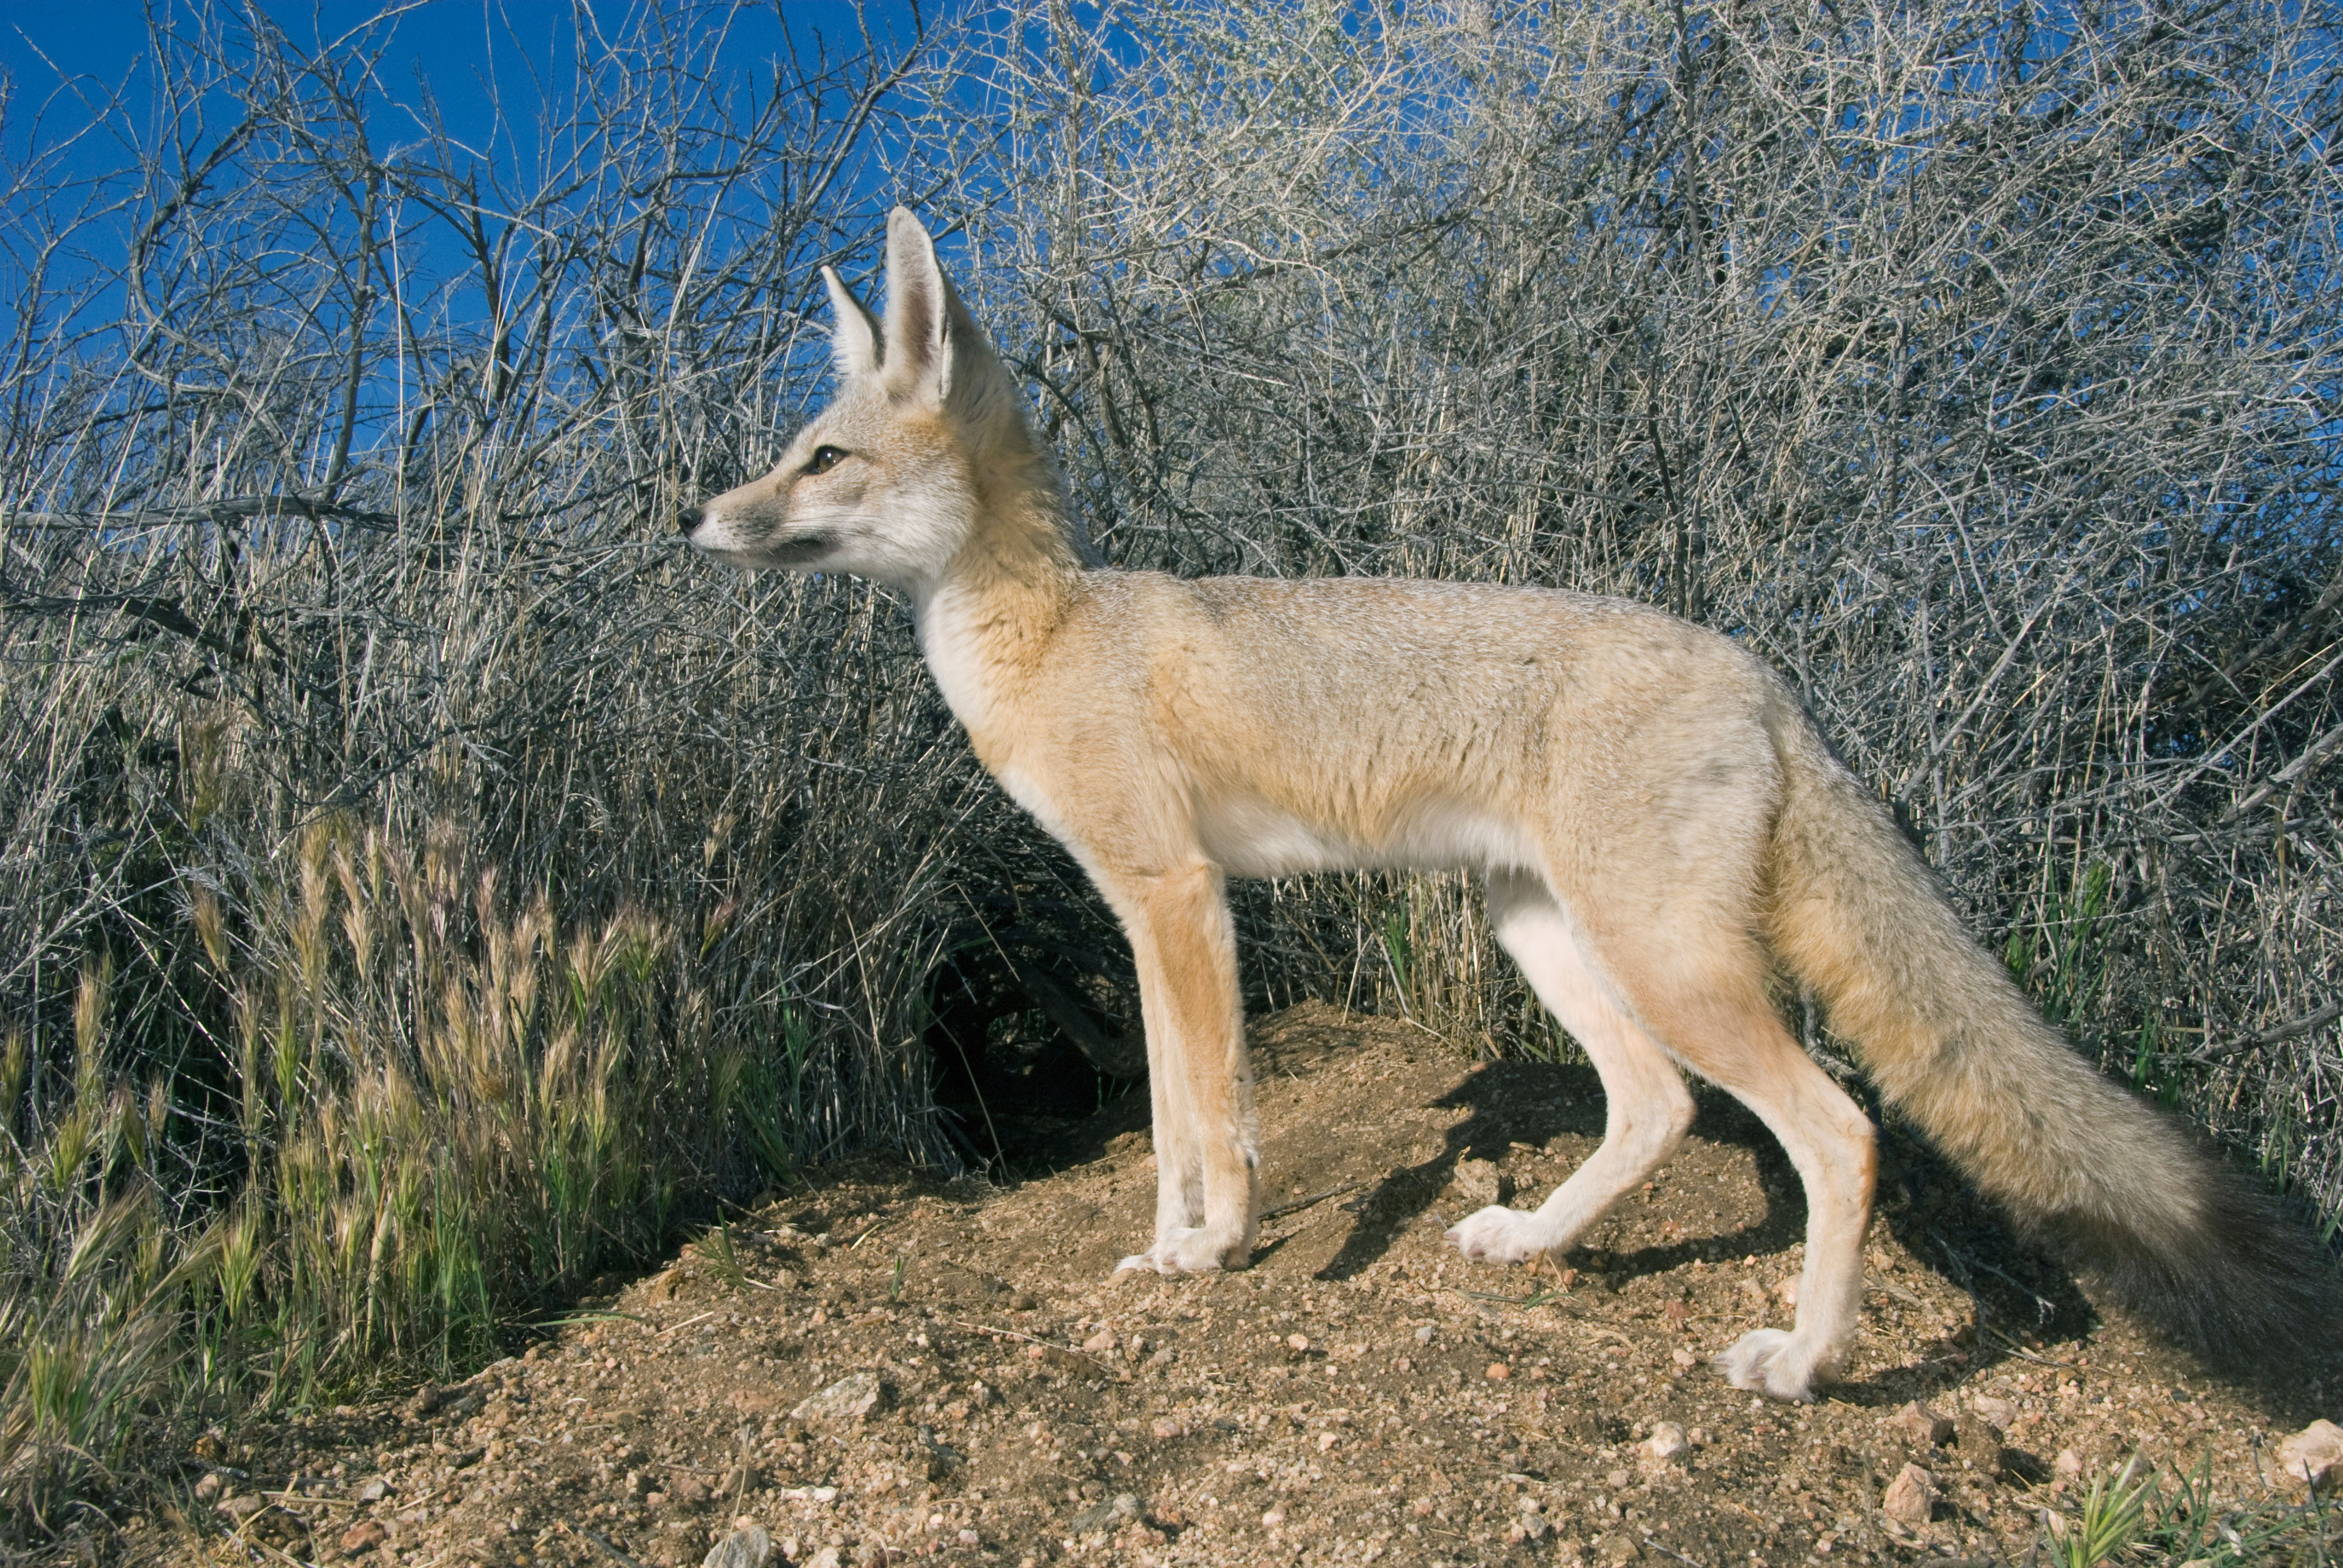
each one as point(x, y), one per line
point(1186, 1249)
point(1770, 1361)
point(1502, 1235)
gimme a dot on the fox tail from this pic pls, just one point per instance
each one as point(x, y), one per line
point(2125, 1191)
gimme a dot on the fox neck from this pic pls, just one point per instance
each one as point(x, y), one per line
point(988, 618)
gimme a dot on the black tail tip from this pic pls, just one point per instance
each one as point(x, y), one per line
point(2247, 1289)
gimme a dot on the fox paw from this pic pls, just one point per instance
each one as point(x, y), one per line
point(1770, 1361)
point(1501, 1235)
point(1186, 1250)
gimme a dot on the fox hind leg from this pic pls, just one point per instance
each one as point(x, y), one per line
point(1829, 1139)
point(1699, 985)
point(1647, 1107)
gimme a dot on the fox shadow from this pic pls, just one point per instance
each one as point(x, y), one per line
point(1510, 1103)
point(2020, 1298)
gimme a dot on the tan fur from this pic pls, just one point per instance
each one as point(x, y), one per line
point(1658, 823)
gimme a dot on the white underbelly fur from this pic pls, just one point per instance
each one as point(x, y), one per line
point(1251, 837)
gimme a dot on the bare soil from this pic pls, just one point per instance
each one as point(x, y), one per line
point(1360, 1394)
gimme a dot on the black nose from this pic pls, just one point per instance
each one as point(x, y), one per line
point(687, 520)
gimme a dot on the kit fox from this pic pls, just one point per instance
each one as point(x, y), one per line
point(1662, 830)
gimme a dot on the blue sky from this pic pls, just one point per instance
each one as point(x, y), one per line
point(457, 47)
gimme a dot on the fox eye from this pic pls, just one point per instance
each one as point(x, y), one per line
point(825, 459)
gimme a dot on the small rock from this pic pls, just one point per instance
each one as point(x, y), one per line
point(1923, 1425)
point(1298, 1343)
point(1980, 1444)
point(242, 1506)
point(828, 1557)
point(207, 1489)
point(1786, 1292)
point(849, 1400)
point(746, 1548)
point(1165, 1428)
point(373, 1489)
point(1911, 1497)
point(426, 1400)
point(687, 1488)
point(1499, 1371)
point(1478, 1183)
point(1619, 1547)
point(1423, 1334)
point(2000, 1414)
point(1100, 1343)
point(1666, 1447)
point(1618, 1480)
point(1685, 1360)
point(938, 1458)
point(362, 1538)
point(2312, 1455)
point(1276, 1516)
point(1107, 1515)
point(2068, 1464)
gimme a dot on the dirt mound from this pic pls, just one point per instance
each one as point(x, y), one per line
point(882, 1365)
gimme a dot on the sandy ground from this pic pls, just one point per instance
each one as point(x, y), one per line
point(885, 1366)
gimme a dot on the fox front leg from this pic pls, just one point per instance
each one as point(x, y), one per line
point(1198, 1079)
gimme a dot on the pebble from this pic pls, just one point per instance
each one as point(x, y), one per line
point(362, 1537)
point(2000, 1414)
point(746, 1548)
point(1924, 1426)
point(1108, 1514)
point(844, 1402)
point(1477, 1182)
point(1910, 1498)
point(242, 1506)
point(2310, 1457)
point(1979, 1445)
point(1666, 1447)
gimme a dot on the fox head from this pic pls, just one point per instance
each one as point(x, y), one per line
point(887, 481)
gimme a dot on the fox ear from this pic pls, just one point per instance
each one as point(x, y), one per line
point(934, 345)
point(854, 339)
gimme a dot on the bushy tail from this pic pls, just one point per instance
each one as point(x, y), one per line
point(2126, 1191)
